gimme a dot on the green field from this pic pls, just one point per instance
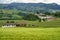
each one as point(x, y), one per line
point(29, 33)
point(37, 24)
point(49, 30)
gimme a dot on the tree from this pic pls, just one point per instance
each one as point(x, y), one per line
point(57, 14)
point(12, 21)
point(39, 20)
point(7, 22)
point(47, 13)
point(30, 17)
point(38, 12)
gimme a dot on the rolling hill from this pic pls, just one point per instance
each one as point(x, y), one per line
point(32, 7)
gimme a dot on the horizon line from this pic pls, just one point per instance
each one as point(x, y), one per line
point(29, 2)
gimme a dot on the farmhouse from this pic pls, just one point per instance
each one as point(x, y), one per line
point(15, 24)
point(45, 17)
point(4, 25)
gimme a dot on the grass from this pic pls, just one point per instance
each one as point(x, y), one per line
point(37, 24)
point(29, 33)
point(41, 31)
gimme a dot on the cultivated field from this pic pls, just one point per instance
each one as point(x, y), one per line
point(29, 33)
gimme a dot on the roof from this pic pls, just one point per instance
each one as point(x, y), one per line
point(9, 23)
point(14, 23)
point(41, 14)
point(42, 17)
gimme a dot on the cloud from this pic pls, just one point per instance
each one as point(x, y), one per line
point(53, 1)
point(31, 1)
point(5, 1)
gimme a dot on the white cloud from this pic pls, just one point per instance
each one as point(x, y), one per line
point(27, 1)
point(31, 1)
point(53, 1)
point(6, 1)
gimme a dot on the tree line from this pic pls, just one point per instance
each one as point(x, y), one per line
point(21, 15)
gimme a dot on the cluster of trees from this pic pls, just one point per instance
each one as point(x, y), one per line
point(11, 14)
point(30, 17)
point(56, 14)
point(22, 15)
point(34, 17)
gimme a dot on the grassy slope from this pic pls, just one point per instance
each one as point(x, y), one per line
point(54, 23)
point(29, 33)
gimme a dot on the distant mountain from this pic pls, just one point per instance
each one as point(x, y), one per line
point(32, 7)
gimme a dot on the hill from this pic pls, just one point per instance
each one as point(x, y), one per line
point(19, 10)
point(32, 7)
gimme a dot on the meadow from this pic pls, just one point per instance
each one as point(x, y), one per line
point(47, 24)
point(49, 30)
point(29, 33)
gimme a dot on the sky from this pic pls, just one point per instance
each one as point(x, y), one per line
point(31, 1)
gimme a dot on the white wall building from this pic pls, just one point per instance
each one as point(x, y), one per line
point(8, 25)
